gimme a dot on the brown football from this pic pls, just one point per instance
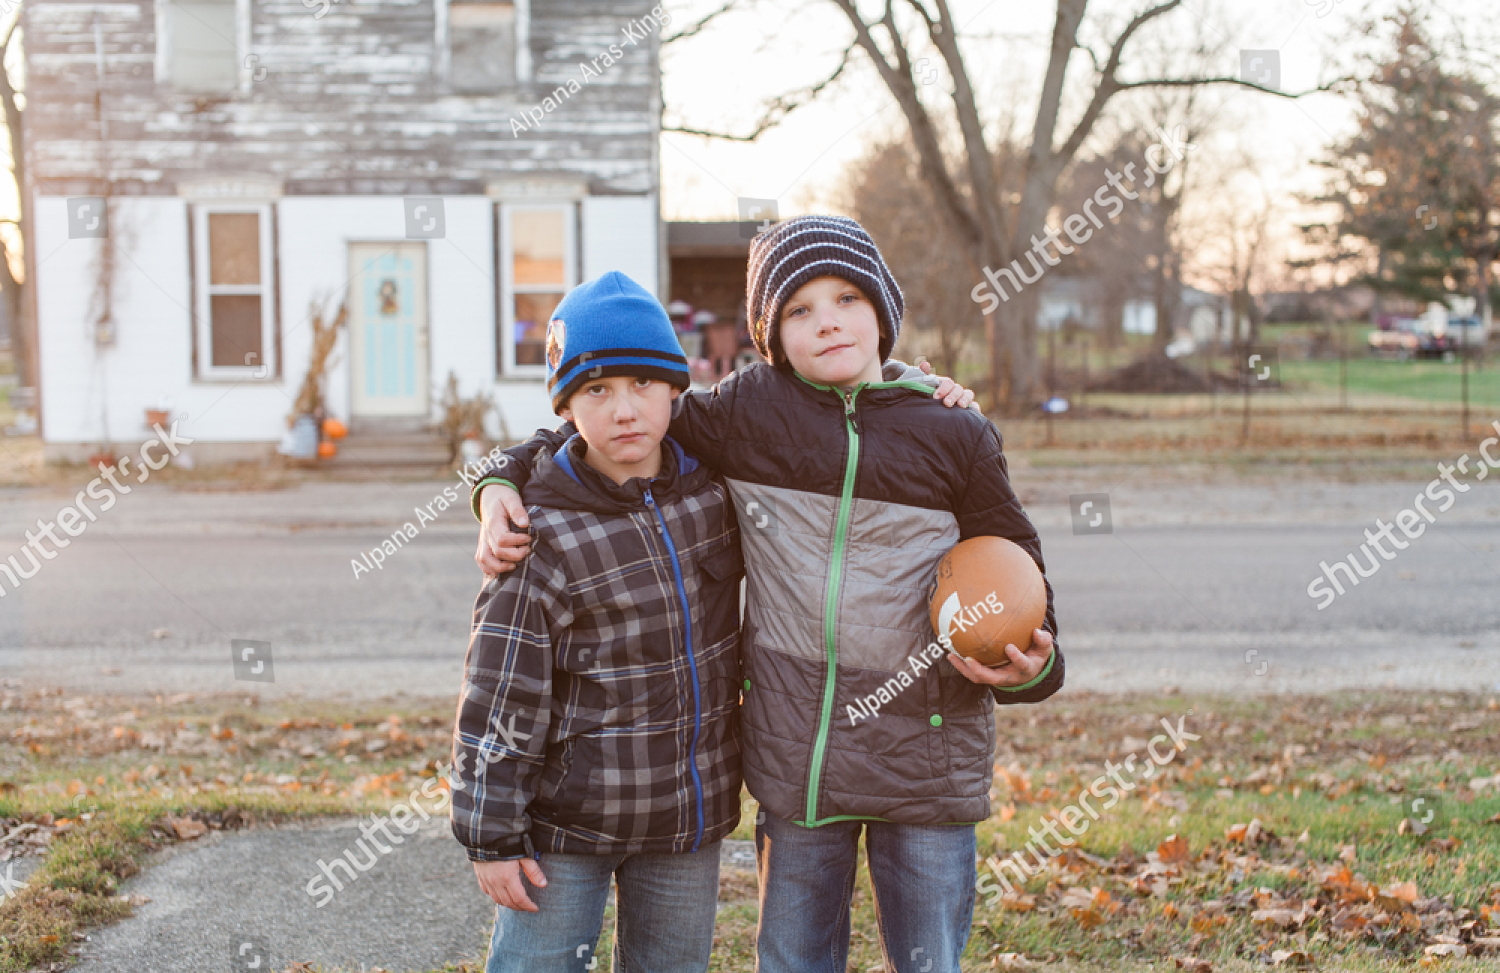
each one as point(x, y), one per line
point(988, 594)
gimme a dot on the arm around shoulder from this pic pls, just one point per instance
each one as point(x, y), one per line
point(513, 467)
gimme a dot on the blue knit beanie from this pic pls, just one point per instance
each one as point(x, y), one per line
point(610, 326)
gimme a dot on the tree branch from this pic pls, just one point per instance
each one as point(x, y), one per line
point(1108, 84)
point(9, 32)
point(1039, 158)
point(944, 36)
point(898, 81)
point(776, 110)
point(693, 29)
point(1191, 82)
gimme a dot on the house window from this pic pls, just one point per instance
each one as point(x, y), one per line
point(537, 268)
point(486, 45)
point(235, 305)
point(198, 43)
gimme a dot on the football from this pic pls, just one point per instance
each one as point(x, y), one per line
point(988, 593)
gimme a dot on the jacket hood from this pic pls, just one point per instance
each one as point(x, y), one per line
point(564, 480)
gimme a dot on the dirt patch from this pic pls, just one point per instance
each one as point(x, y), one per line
point(1160, 374)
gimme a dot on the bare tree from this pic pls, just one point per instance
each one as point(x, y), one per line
point(993, 228)
point(1118, 256)
point(886, 193)
point(14, 246)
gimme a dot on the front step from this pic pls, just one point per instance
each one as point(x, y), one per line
point(409, 444)
point(391, 426)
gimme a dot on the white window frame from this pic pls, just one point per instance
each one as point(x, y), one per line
point(442, 35)
point(266, 289)
point(242, 38)
point(509, 288)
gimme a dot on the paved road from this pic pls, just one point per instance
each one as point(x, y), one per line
point(1192, 580)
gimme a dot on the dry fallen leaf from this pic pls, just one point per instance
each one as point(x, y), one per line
point(1193, 964)
point(1439, 952)
point(1290, 957)
point(186, 828)
point(1173, 851)
point(1017, 902)
point(1276, 917)
point(1012, 961)
point(1405, 891)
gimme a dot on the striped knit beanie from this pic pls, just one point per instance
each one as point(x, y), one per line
point(793, 252)
point(610, 326)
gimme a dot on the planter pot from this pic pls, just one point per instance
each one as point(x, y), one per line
point(301, 441)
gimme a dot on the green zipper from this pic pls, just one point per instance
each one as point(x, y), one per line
point(830, 610)
point(835, 578)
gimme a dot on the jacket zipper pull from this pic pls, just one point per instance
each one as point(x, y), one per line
point(651, 502)
point(849, 411)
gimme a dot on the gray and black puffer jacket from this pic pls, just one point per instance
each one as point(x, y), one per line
point(847, 501)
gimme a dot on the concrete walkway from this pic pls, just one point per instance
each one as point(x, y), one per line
point(415, 909)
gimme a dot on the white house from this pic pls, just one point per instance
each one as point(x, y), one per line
point(203, 172)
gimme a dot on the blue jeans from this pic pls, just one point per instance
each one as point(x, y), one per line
point(664, 914)
point(924, 894)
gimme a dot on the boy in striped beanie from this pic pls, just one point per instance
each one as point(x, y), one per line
point(790, 254)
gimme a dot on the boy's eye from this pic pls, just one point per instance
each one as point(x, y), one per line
point(643, 383)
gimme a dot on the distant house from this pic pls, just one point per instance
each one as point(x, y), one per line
point(203, 171)
point(1201, 316)
point(708, 264)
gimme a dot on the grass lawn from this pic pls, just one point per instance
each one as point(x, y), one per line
point(1425, 381)
point(1276, 837)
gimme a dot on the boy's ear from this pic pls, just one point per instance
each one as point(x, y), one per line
point(566, 414)
point(675, 392)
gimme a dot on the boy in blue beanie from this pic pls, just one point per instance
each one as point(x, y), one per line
point(597, 732)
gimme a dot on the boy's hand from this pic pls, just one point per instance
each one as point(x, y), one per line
point(500, 548)
point(1023, 667)
point(948, 390)
point(501, 881)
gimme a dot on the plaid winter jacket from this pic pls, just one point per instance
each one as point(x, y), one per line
point(600, 703)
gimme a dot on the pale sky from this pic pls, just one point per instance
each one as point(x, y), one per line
point(719, 78)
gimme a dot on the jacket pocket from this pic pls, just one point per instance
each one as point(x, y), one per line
point(555, 773)
point(718, 603)
point(723, 565)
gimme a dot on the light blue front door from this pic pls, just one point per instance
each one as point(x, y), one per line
point(388, 329)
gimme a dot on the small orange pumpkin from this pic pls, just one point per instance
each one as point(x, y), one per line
point(334, 429)
point(327, 450)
